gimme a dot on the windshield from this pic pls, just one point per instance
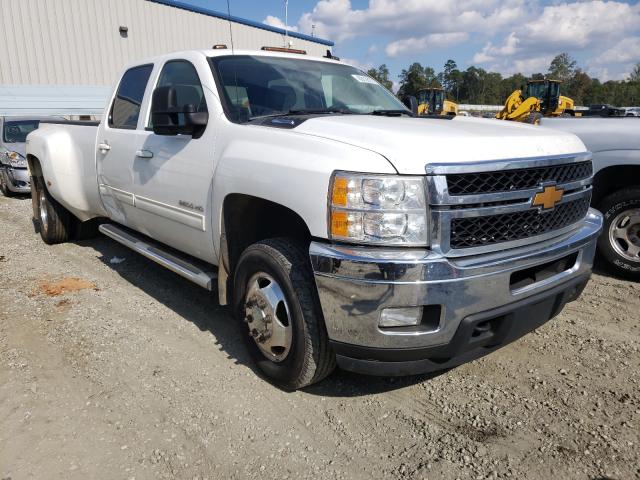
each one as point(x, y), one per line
point(438, 96)
point(17, 131)
point(536, 89)
point(260, 86)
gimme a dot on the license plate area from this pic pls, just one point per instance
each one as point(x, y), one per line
point(527, 277)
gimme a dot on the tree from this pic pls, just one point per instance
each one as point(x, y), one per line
point(447, 78)
point(577, 87)
point(412, 80)
point(635, 73)
point(562, 67)
point(381, 74)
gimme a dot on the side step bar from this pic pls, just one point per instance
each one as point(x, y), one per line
point(181, 266)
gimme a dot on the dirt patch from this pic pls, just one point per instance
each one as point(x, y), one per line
point(65, 285)
point(150, 379)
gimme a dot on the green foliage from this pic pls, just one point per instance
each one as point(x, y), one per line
point(381, 74)
point(562, 67)
point(478, 86)
point(415, 78)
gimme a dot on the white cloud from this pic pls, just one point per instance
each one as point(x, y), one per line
point(626, 50)
point(595, 26)
point(425, 43)
point(406, 19)
point(515, 35)
point(276, 22)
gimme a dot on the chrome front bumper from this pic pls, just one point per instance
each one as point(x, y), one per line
point(356, 283)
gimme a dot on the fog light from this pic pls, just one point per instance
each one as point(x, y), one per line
point(400, 317)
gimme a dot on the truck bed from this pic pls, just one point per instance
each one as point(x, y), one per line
point(70, 145)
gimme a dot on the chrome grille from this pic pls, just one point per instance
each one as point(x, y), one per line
point(518, 179)
point(487, 206)
point(507, 227)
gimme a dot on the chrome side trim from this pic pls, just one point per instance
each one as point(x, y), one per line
point(185, 217)
point(190, 219)
point(184, 268)
point(506, 164)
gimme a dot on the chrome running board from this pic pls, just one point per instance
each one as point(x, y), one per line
point(183, 267)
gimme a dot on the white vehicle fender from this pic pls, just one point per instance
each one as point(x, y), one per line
point(287, 168)
point(69, 177)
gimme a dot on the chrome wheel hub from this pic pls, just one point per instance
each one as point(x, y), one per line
point(42, 202)
point(624, 234)
point(267, 317)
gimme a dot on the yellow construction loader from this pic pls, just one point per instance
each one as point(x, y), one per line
point(541, 99)
point(432, 101)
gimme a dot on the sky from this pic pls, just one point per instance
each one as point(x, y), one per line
point(506, 36)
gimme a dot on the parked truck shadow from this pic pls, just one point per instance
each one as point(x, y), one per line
point(201, 308)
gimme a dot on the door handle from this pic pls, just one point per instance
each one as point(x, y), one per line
point(144, 154)
point(104, 147)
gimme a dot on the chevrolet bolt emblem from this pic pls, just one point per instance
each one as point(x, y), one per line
point(548, 198)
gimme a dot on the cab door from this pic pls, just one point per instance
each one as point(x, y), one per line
point(172, 174)
point(117, 143)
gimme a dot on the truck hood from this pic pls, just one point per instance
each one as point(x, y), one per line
point(412, 143)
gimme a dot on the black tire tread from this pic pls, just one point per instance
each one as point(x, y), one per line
point(60, 219)
point(604, 247)
point(319, 359)
point(3, 187)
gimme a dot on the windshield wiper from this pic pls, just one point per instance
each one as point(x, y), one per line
point(391, 113)
point(304, 111)
point(311, 111)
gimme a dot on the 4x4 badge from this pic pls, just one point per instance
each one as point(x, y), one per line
point(548, 198)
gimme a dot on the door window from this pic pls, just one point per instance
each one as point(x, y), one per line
point(182, 76)
point(126, 106)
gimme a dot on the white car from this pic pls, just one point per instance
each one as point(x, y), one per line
point(337, 226)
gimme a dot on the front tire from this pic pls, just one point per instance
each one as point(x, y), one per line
point(533, 118)
point(276, 301)
point(55, 222)
point(619, 243)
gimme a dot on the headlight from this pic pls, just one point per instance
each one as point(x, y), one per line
point(379, 209)
point(16, 160)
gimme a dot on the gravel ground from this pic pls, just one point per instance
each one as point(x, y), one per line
point(128, 371)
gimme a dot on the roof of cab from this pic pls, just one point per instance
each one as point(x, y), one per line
point(220, 52)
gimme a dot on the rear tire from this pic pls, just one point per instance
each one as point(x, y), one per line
point(619, 243)
point(303, 356)
point(55, 222)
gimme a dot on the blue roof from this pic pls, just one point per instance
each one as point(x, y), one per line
point(244, 21)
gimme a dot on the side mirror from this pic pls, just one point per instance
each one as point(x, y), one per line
point(170, 117)
point(411, 103)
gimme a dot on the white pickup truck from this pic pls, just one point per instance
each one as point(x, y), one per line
point(339, 227)
point(615, 145)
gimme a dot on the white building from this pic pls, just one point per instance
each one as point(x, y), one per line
point(86, 43)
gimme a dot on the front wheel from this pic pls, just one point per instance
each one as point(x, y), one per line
point(275, 299)
point(533, 118)
point(619, 243)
